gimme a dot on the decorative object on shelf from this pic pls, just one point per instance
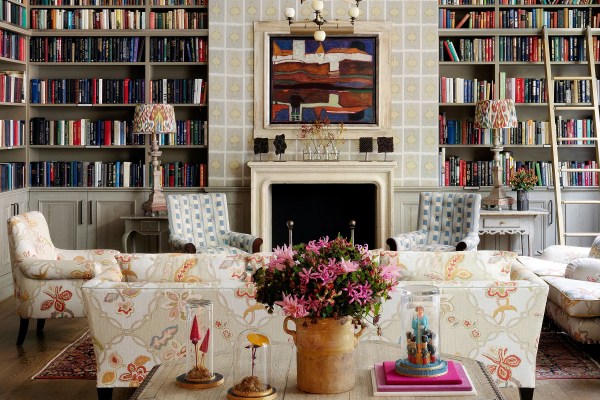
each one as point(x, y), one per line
point(319, 24)
point(199, 348)
point(154, 120)
point(252, 374)
point(385, 145)
point(261, 146)
point(420, 322)
point(365, 145)
point(322, 140)
point(280, 145)
point(494, 115)
point(328, 308)
point(523, 180)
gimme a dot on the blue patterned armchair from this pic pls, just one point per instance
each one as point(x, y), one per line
point(199, 223)
point(447, 222)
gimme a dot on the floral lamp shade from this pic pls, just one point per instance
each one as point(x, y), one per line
point(495, 114)
point(154, 118)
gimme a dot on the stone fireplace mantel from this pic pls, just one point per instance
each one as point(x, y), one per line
point(264, 174)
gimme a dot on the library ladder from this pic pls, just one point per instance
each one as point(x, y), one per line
point(556, 142)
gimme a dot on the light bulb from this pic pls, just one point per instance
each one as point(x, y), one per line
point(353, 12)
point(317, 5)
point(319, 35)
point(289, 12)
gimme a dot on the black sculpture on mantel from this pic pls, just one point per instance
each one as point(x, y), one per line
point(261, 145)
point(385, 145)
point(280, 145)
point(365, 145)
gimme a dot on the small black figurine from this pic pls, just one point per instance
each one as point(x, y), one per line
point(365, 145)
point(280, 145)
point(261, 145)
point(385, 145)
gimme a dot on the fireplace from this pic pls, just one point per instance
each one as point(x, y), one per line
point(323, 210)
point(267, 174)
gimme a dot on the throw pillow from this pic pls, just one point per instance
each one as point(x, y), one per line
point(595, 249)
point(584, 269)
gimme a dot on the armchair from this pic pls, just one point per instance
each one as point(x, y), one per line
point(446, 222)
point(199, 223)
point(47, 281)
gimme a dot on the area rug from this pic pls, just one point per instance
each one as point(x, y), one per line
point(76, 361)
point(560, 357)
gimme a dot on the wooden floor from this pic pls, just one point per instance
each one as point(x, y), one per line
point(19, 364)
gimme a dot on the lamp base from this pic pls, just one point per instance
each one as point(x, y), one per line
point(155, 205)
point(496, 199)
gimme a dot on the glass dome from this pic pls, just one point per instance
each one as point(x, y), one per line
point(252, 366)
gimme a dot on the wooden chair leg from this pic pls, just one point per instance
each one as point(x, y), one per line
point(526, 393)
point(22, 331)
point(104, 393)
point(40, 325)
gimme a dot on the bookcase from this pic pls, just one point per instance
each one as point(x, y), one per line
point(493, 49)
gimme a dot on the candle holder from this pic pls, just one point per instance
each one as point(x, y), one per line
point(199, 348)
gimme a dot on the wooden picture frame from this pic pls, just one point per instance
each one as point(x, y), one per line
point(364, 110)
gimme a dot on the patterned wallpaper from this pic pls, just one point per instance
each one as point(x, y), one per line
point(413, 85)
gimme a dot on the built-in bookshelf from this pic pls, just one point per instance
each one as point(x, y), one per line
point(494, 49)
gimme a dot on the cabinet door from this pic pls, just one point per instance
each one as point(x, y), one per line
point(64, 211)
point(105, 209)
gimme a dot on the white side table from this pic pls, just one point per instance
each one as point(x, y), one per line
point(511, 222)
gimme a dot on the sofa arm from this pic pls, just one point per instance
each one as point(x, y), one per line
point(564, 254)
point(106, 257)
point(584, 269)
point(469, 242)
point(406, 241)
point(244, 241)
point(34, 268)
point(180, 245)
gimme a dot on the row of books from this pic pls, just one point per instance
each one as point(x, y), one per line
point(523, 90)
point(579, 178)
point(12, 133)
point(575, 128)
point(181, 174)
point(118, 2)
point(469, 49)
point(178, 91)
point(471, 20)
point(174, 49)
point(538, 17)
point(86, 174)
point(13, 13)
point(87, 91)
point(533, 2)
point(189, 133)
point(12, 176)
point(12, 88)
point(86, 49)
point(12, 45)
point(465, 2)
point(573, 91)
point(521, 48)
point(115, 18)
point(461, 90)
point(82, 132)
point(178, 19)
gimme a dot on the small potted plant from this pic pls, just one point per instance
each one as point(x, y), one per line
point(523, 180)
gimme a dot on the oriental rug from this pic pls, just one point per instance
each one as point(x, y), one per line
point(76, 361)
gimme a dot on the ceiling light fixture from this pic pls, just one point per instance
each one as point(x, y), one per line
point(321, 23)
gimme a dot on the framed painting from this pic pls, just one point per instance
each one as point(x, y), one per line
point(299, 80)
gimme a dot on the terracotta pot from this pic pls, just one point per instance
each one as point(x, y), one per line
point(325, 354)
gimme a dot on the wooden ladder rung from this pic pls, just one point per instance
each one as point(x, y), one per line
point(574, 108)
point(561, 139)
point(581, 234)
point(571, 78)
point(579, 169)
point(581, 201)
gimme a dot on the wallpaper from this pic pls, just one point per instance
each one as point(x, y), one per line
point(414, 72)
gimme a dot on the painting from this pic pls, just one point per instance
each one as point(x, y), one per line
point(299, 80)
point(334, 79)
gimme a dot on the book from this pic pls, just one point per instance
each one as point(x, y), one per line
point(463, 20)
point(381, 388)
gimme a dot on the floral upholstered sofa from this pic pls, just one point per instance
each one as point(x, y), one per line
point(492, 309)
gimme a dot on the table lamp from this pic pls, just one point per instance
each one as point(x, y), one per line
point(494, 115)
point(154, 120)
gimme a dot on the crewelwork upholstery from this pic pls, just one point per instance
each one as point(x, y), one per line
point(199, 223)
point(446, 222)
point(47, 280)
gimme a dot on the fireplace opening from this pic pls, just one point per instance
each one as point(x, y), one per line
point(323, 210)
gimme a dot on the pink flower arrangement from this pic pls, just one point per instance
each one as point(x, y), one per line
point(325, 279)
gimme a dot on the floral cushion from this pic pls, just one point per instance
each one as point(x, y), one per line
point(584, 330)
point(542, 267)
point(584, 269)
point(451, 266)
point(564, 254)
point(576, 298)
point(595, 249)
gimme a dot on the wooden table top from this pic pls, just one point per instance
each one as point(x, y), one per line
point(160, 382)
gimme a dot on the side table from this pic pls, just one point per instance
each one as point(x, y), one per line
point(147, 226)
point(160, 381)
point(511, 222)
